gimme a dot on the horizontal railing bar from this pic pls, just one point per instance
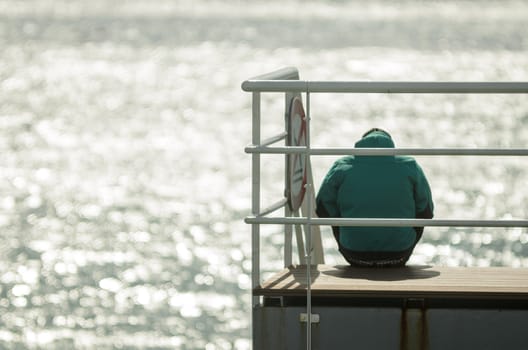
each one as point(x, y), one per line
point(389, 151)
point(275, 206)
point(272, 140)
point(384, 222)
point(427, 87)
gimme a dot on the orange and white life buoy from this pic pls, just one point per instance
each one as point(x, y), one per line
point(296, 162)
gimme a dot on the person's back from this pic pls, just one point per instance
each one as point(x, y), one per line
point(376, 187)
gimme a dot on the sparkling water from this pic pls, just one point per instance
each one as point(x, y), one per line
point(123, 179)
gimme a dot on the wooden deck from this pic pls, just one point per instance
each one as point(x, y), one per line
point(407, 282)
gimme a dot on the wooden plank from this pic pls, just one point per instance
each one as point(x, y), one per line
point(411, 281)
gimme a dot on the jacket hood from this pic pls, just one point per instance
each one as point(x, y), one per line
point(375, 139)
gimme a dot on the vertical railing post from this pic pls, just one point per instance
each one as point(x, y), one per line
point(308, 197)
point(288, 229)
point(255, 197)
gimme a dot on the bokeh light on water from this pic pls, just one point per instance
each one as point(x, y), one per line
point(123, 181)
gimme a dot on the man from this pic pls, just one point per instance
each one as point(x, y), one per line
point(375, 187)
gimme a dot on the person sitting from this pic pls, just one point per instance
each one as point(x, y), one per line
point(375, 187)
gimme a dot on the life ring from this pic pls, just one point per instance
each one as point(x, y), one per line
point(297, 174)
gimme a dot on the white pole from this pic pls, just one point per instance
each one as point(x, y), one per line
point(255, 198)
point(386, 222)
point(288, 254)
point(426, 87)
point(308, 197)
point(337, 151)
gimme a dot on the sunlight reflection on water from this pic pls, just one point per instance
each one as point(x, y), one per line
point(123, 177)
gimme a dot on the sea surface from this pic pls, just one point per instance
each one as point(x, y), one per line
point(123, 177)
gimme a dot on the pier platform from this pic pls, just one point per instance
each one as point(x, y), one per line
point(425, 282)
point(415, 307)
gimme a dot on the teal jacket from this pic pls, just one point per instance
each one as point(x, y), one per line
point(376, 187)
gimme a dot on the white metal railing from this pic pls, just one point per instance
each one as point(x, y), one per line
point(335, 151)
point(287, 81)
point(270, 83)
point(380, 222)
